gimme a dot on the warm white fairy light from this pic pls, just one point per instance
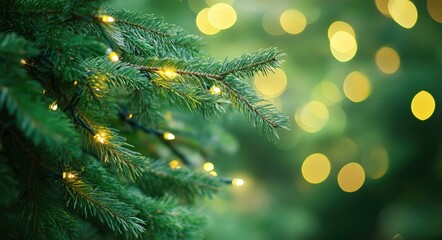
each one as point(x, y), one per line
point(168, 73)
point(130, 116)
point(175, 164)
point(23, 61)
point(237, 182)
point(75, 83)
point(53, 106)
point(113, 56)
point(107, 19)
point(208, 166)
point(100, 137)
point(168, 136)
point(215, 90)
point(69, 175)
point(213, 173)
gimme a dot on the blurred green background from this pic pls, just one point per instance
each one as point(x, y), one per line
point(363, 158)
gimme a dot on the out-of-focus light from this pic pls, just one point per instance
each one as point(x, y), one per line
point(387, 60)
point(222, 15)
point(175, 164)
point(107, 19)
point(213, 173)
point(168, 136)
point(100, 137)
point(312, 117)
point(53, 106)
point(69, 175)
point(293, 21)
point(237, 182)
point(316, 168)
point(423, 105)
point(270, 23)
point(343, 41)
point(382, 6)
point(330, 91)
point(271, 85)
point(403, 12)
point(203, 24)
point(340, 26)
point(130, 116)
point(376, 163)
point(357, 87)
point(113, 56)
point(215, 90)
point(351, 177)
point(23, 61)
point(435, 9)
point(208, 166)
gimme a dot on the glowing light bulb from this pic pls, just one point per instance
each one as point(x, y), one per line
point(168, 136)
point(113, 56)
point(107, 19)
point(75, 83)
point(208, 166)
point(237, 182)
point(100, 137)
point(215, 90)
point(53, 106)
point(23, 61)
point(130, 116)
point(213, 173)
point(175, 164)
point(168, 74)
point(69, 175)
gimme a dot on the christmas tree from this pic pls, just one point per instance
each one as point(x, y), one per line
point(77, 78)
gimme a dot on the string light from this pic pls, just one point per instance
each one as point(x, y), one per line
point(100, 137)
point(113, 56)
point(168, 74)
point(23, 61)
point(213, 173)
point(130, 115)
point(175, 164)
point(43, 91)
point(215, 90)
point(69, 175)
point(107, 19)
point(237, 182)
point(208, 166)
point(53, 106)
point(168, 136)
point(75, 83)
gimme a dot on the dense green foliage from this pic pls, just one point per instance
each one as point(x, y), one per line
point(66, 171)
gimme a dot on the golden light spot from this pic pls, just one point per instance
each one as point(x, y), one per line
point(107, 19)
point(69, 175)
point(343, 56)
point(435, 9)
point(293, 21)
point(331, 91)
point(382, 6)
point(387, 60)
point(343, 41)
point(312, 117)
point(340, 26)
point(270, 23)
point(75, 83)
point(203, 24)
point(271, 85)
point(315, 168)
point(403, 12)
point(175, 164)
point(53, 106)
point(357, 87)
point(213, 173)
point(23, 61)
point(351, 177)
point(168, 74)
point(208, 166)
point(423, 105)
point(376, 163)
point(222, 16)
point(237, 182)
point(113, 56)
point(215, 90)
point(100, 137)
point(130, 116)
point(168, 136)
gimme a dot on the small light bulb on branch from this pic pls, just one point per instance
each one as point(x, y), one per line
point(107, 19)
point(213, 173)
point(237, 182)
point(23, 61)
point(175, 164)
point(113, 56)
point(75, 83)
point(53, 106)
point(100, 137)
point(168, 136)
point(215, 90)
point(130, 116)
point(168, 74)
point(69, 175)
point(208, 166)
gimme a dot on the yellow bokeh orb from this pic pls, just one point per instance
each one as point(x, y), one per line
point(423, 105)
point(293, 21)
point(340, 26)
point(351, 177)
point(387, 60)
point(203, 24)
point(271, 85)
point(357, 87)
point(316, 168)
point(343, 41)
point(382, 6)
point(270, 23)
point(222, 15)
point(208, 166)
point(435, 9)
point(343, 56)
point(312, 117)
point(376, 163)
point(403, 12)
